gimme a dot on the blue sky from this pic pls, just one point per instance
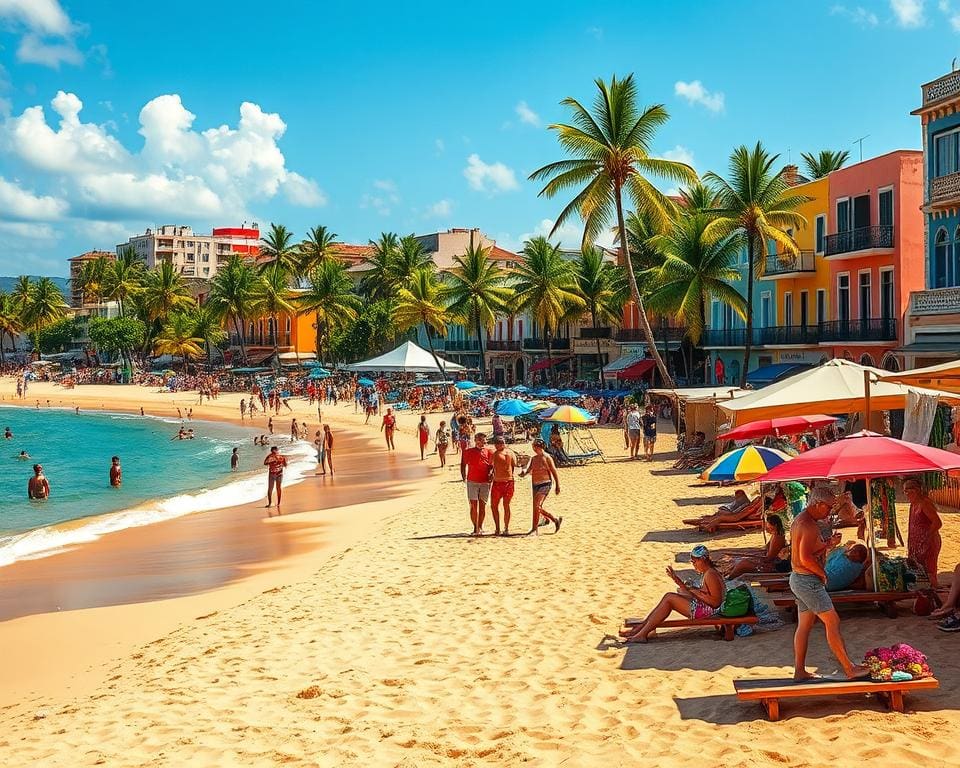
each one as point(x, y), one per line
point(409, 117)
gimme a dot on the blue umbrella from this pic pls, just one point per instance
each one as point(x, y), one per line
point(520, 388)
point(543, 391)
point(513, 408)
point(466, 385)
point(567, 394)
point(318, 373)
point(365, 382)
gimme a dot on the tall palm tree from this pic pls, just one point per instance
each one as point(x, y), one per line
point(409, 256)
point(164, 291)
point(277, 247)
point(124, 278)
point(44, 305)
point(11, 322)
point(477, 290)
point(20, 293)
point(274, 298)
point(698, 267)
point(378, 281)
point(233, 293)
point(603, 289)
point(545, 287)
point(315, 249)
point(208, 325)
point(819, 165)
point(422, 301)
point(91, 280)
point(178, 337)
point(609, 157)
point(330, 295)
point(698, 197)
point(757, 204)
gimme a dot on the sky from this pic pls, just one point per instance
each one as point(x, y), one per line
point(410, 117)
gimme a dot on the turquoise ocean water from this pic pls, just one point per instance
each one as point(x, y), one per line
point(162, 478)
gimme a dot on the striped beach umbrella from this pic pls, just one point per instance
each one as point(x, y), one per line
point(747, 463)
point(569, 414)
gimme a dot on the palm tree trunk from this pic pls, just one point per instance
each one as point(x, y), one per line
point(240, 324)
point(443, 373)
point(3, 359)
point(596, 336)
point(549, 337)
point(276, 342)
point(483, 372)
point(635, 294)
point(748, 342)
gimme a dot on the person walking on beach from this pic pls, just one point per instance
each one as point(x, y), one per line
point(116, 473)
point(504, 465)
point(633, 430)
point(808, 583)
point(37, 486)
point(319, 442)
point(270, 425)
point(243, 409)
point(442, 441)
point(275, 462)
point(423, 435)
point(235, 460)
point(543, 476)
point(388, 426)
point(328, 447)
point(294, 431)
point(478, 468)
point(649, 426)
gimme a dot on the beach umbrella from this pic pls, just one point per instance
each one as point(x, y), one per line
point(541, 405)
point(520, 388)
point(747, 463)
point(788, 425)
point(318, 373)
point(466, 385)
point(569, 414)
point(513, 408)
point(365, 382)
point(567, 394)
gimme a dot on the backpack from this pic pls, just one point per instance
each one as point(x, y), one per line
point(737, 602)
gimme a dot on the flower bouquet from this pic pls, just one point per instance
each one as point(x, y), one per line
point(898, 662)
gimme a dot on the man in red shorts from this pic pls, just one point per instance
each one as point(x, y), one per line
point(478, 468)
point(504, 464)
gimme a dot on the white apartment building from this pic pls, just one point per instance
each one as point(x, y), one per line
point(195, 255)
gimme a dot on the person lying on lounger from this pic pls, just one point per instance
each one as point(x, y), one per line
point(695, 601)
point(740, 500)
point(711, 523)
point(846, 567)
point(766, 562)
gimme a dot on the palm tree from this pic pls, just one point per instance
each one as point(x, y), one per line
point(698, 198)
point(757, 205)
point(603, 289)
point(208, 325)
point(11, 322)
point(178, 337)
point(698, 267)
point(124, 278)
point(274, 298)
point(377, 283)
point(20, 293)
point(44, 305)
point(610, 156)
point(233, 293)
point(316, 249)
point(277, 247)
point(330, 295)
point(422, 301)
point(824, 163)
point(545, 288)
point(164, 291)
point(477, 290)
point(409, 256)
point(90, 281)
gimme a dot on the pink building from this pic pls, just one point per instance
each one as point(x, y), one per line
point(875, 251)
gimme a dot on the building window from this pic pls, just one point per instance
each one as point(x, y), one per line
point(886, 294)
point(821, 232)
point(288, 325)
point(946, 154)
point(843, 298)
point(788, 309)
point(885, 199)
point(804, 310)
point(941, 259)
point(821, 306)
point(765, 310)
point(843, 215)
point(864, 287)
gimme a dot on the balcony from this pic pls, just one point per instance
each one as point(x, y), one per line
point(498, 345)
point(864, 241)
point(941, 89)
point(541, 344)
point(937, 301)
point(460, 345)
point(728, 337)
point(601, 332)
point(665, 333)
point(784, 265)
point(944, 192)
point(789, 335)
point(874, 329)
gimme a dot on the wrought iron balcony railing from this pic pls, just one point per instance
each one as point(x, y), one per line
point(862, 239)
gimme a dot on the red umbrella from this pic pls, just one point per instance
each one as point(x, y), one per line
point(788, 425)
point(863, 455)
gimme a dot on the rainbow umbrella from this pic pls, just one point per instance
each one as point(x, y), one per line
point(747, 463)
point(541, 405)
point(570, 414)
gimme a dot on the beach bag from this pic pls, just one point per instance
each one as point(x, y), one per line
point(891, 574)
point(737, 601)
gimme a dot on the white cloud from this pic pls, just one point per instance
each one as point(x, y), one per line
point(383, 200)
point(28, 231)
point(908, 13)
point(18, 204)
point(595, 32)
point(179, 173)
point(386, 185)
point(695, 93)
point(858, 15)
point(439, 210)
point(680, 154)
point(35, 50)
point(439, 146)
point(48, 32)
point(41, 15)
point(489, 177)
point(952, 16)
point(526, 114)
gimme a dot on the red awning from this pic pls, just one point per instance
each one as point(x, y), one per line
point(541, 365)
point(636, 371)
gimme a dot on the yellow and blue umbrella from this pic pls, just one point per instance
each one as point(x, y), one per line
point(747, 463)
point(569, 414)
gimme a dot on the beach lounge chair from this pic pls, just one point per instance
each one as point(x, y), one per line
point(726, 626)
point(885, 601)
point(770, 692)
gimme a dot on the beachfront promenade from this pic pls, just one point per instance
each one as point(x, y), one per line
point(416, 645)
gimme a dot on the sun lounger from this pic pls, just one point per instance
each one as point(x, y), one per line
point(770, 692)
point(884, 600)
point(725, 625)
point(740, 525)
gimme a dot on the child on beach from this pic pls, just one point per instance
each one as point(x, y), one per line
point(543, 476)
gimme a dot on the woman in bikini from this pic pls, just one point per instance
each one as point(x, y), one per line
point(543, 475)
point(767, 562)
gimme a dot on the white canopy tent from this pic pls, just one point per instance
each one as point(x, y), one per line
point(408, 358)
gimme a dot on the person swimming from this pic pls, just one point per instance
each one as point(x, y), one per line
point(38, 487)
point(23, 456)
point(116, 473)
point(7, 434)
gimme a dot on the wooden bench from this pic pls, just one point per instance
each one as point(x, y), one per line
point(769, 692)
point(883, 600)
point(725, 625)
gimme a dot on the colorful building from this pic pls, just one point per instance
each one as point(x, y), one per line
point(195, 256)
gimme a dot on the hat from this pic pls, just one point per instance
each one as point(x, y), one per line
point(699, 552)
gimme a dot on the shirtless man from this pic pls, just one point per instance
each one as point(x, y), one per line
point(543, 475)
point(808, 582)
point(116, 474)
point(504, 464)
point(37, 486)
point(294, 431)
point(275, 462)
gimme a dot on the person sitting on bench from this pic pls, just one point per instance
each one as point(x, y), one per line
point(694, 602)
point(767, 562)
point(846, 566)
